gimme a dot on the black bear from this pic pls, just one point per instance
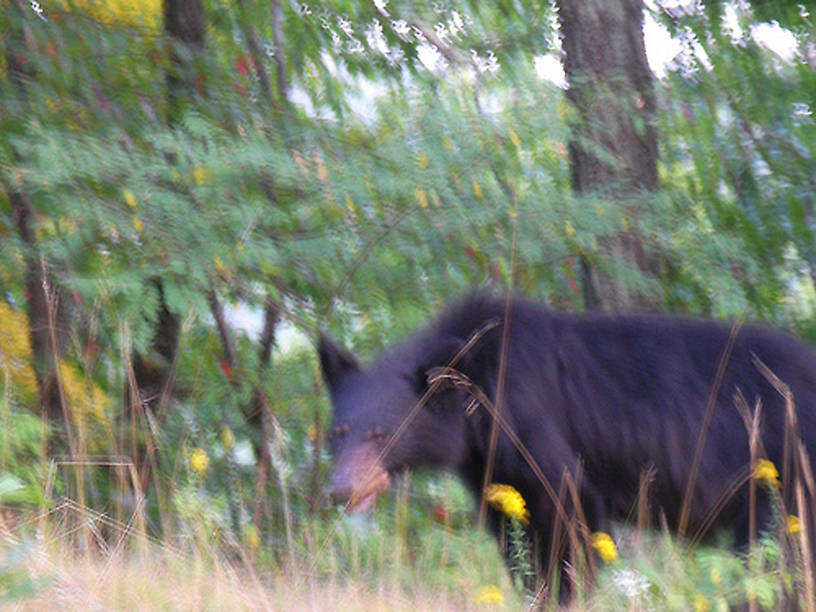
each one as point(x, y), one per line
point(603, 398)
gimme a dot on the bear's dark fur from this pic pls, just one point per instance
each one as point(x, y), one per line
point(602, 397)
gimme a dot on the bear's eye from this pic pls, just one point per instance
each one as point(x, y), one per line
point(339, 431)
point(378, 435)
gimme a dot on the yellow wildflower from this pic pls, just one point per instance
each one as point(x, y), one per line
point(793, 525)
point(766, 473)
point(507, 500)
point(605, 546)
point(199, 461)
point(138, 225)
point(490, 594)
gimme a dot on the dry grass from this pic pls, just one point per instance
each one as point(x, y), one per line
point(161, 580)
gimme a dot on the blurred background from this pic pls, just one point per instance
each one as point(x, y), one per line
point(191, 189)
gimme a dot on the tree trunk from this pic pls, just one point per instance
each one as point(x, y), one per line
point(184, 23)
point(613, 151)
point(44, 354)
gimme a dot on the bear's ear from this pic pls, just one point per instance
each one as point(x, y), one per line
point(441, 354)
point(335, 361)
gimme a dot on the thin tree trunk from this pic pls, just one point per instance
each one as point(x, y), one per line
point(153, 371)
point(613, 151)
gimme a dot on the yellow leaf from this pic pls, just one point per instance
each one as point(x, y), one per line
point(15, 347)
point(130, 199)
point(201, 175)
point(146, 13)
point(227, 438)
point(477, 190)
point(421, 197)
point(251, 537)
point(515, 139)
point(322, 173)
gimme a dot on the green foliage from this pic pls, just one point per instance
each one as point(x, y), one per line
point(660, 573)
point(15, 583)
point(22, 464)
point(372, 189)
point(738, 145)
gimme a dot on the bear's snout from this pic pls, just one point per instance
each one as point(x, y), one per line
point(359, 477)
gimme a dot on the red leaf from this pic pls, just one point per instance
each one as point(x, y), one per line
point(440, 513)
point(226, 368)
point(242, 64)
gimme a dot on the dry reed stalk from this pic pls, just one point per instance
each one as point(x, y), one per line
point(685, 509)
point(806, 524)
point(753, 442)
point(643, 511)
point(497, 404)
point(556, 544)
point(583, 556)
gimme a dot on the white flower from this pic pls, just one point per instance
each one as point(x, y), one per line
point(630, 583)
